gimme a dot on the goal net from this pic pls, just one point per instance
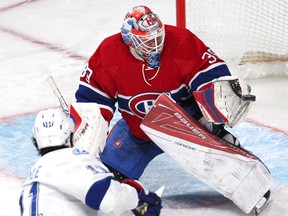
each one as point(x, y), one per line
point(243, 33)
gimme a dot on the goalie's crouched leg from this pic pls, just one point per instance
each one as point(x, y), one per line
point(125, 155)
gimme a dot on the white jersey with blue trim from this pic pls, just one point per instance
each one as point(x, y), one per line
point(72, 182)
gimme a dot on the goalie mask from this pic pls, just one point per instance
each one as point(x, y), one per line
point(143, 32)
point(91, 129)
point(52, 128)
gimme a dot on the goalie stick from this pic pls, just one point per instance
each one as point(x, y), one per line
point(58, 94)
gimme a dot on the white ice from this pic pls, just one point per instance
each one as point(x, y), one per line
point(51, 37)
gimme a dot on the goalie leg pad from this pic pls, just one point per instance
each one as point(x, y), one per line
point(232, 171)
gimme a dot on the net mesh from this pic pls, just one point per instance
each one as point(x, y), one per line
point(241, 31)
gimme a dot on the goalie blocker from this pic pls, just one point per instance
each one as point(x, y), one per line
point(232, 171)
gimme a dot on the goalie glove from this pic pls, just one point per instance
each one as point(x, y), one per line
point(225, 101)
point(149, 202)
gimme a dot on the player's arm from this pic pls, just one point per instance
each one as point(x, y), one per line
point(221, 97)
point(131, 195)
point(96, 83)
point(90, 90)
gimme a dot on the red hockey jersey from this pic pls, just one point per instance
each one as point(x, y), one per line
point(113, 75)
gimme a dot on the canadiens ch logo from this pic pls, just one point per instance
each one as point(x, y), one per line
point(148, 22)
point(142, 103)
point(117, 143)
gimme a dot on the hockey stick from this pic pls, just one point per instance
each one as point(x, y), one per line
point(58, 94)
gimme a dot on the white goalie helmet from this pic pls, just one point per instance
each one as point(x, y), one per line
point(52, 128)
point(91, 129)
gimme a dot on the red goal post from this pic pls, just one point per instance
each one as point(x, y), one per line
point(239, 31)
point(181, 13)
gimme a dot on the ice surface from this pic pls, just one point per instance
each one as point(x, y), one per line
point(39, 38)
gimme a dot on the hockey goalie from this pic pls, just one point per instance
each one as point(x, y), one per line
point(220, 163)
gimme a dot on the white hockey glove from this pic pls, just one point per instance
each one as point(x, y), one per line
point(91, 129)
point(225, 101)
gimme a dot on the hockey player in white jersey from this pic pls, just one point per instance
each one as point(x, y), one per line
point(69, 178)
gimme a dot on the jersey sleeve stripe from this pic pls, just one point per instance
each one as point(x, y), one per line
point(207, 75)
point(96, 193)
point(93, 89)
point(85, 94)
point(108, 108)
